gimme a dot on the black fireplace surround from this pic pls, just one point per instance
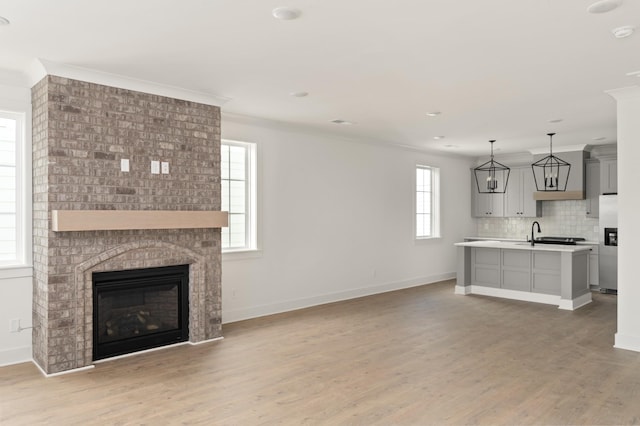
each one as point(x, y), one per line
point(139, 309)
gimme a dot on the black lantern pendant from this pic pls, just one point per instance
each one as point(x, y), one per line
point(551, 173)
point(492, 177)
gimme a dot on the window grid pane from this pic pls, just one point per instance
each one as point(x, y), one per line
point(424, 201)
point(236, 194)
point(9, 143)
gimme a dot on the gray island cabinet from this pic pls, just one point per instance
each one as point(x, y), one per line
point(552, 274)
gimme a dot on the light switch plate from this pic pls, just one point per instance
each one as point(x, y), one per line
point(124, 164)
point(155, 167)
point(165, 167)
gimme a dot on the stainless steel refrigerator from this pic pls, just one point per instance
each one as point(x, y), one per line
point(608, 250)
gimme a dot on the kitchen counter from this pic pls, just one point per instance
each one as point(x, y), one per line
point(519, 240)
point(523, 245)
point(544, 273)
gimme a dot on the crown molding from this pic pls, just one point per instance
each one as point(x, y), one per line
point(561, 148)
point(40, 68)
point(512, 160)
point(623, 93)
point(608, 150)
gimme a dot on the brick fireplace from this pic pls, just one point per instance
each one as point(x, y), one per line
point(81, 131)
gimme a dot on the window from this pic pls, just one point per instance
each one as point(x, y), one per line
point(12, 236)
point(427, 217)
point(239, 195)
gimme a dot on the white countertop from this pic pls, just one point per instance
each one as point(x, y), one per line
point(523, 245)
point(518, 240)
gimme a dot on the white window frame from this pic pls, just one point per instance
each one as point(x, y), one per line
point(22, 262)
point(251, 197)
point(434, 199)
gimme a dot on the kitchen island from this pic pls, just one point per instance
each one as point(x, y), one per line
point(544, 273)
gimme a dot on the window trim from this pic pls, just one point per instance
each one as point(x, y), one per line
point(22, 112)
point(251, 200)
point(435, 203)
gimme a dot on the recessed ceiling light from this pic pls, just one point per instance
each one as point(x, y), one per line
point(634, 74)
point(622, 32)
point(601, 138)
point(4, 21)
point(434, 113)
point(438, 137)
point(339, 121)
point(555, 120)
point(285, 13)
point(299, 94)
point(603, 6)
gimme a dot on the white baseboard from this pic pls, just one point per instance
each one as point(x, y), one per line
point(215, 339)
point(130, 354)
point(578, 302)
point(628, 342)
point(89, 367)
point(15, 356)
point(229, 316)
point(525, 296)
point(75, 370)
point(462, 290)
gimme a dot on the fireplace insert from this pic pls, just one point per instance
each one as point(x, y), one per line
point(139, 309)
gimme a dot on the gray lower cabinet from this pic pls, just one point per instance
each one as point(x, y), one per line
point(594, 268)
point(485, 269)
point(516, 270)
point(545, 273)
point(521, 270)
point(540, 274)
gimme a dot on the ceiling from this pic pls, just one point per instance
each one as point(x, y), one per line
point(495, 69)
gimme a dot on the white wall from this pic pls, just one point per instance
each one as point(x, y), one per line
point(16, 283)
point(15, 303)
point(628, 335)
point(336, 221)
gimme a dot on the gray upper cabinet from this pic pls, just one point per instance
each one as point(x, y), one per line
point(518, 199)
point(592, 187)
point(485, 205)
point(608, 176)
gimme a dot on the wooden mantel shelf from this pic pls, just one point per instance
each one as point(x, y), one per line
point(108, 220)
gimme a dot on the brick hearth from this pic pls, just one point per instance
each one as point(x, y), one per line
point(80, 132)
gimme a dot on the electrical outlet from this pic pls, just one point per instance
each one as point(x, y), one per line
point(165, 167)
point(15, 325)
point(155, 167)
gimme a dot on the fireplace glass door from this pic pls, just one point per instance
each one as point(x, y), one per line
point(139, 309)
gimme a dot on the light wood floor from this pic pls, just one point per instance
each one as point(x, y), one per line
point(412, 357)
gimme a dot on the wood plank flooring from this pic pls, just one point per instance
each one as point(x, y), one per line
point(412, 357)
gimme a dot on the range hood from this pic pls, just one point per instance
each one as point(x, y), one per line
point(574, 155)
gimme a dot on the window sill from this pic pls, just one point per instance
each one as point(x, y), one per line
point(15, 271)
point(426, 240)
point(241, 254)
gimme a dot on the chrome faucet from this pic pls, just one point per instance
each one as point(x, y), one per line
point(532, 225)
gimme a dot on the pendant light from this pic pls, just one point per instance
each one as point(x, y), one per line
point(492, 177)
point(551, 173)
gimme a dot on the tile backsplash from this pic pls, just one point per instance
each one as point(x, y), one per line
point(559, 218)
